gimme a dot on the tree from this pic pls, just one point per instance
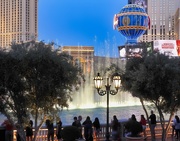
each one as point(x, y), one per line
point(36, 81)
point(155, 78)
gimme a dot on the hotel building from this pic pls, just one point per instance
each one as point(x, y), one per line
point(164, 18)
point(177, 19)
point(82, 56)
point(18, 21)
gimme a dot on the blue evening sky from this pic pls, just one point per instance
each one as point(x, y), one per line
point(81, 23)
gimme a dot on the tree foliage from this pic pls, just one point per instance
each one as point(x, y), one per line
point(155, 78)
point(36, 81)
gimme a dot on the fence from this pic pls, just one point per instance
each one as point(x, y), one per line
point(42, 135)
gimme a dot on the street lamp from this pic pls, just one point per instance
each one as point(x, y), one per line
point(98, 85)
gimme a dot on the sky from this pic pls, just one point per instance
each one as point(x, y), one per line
point(81, 23)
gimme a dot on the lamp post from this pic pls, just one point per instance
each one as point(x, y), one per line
point(98, 85)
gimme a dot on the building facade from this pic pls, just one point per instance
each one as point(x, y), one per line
point(177, 19)
point(18, 21)
point(162, 19)
point(82, 56)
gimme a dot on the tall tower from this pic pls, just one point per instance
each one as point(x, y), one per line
point(177, 19)
point(162, 20)
point(18, 21)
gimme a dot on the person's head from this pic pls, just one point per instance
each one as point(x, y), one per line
point(75, 118)
point(96, 119)
point(79, 117)
point(152, 112)
point(88, 118)
point(114, 117)
point(133, 117)
point(176, 117)
point(48, 122)
point(31, 123)
point(142, 116)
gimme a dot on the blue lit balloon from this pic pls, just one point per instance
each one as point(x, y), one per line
point(132, 22)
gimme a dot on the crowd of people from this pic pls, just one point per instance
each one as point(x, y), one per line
point(9, 131)
point(92, 129)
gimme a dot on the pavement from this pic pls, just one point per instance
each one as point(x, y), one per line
point(148, 139)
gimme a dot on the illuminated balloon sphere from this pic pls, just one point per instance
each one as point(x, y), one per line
point(132, 22)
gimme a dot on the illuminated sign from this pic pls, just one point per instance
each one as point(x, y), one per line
point(167, 47)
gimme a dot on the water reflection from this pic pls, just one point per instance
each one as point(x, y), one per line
point(121, 113)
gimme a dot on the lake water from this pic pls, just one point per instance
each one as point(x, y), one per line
point(122, 113)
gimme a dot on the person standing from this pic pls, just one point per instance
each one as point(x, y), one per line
point(96, 125)
point(59, 129)
point(177, 126)
point(133, 117)
point(80, 126)
point(9, 130)
point(88, 131)
point(75, 122)
point(143, 123)
point(50, 128)
point(152, 118)
point(115, 128)
point(173, 127)
point(29, 131)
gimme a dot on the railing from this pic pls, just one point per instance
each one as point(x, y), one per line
point(42, 135)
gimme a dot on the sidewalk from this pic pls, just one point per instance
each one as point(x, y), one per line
point(159, 139)
point(148, 139)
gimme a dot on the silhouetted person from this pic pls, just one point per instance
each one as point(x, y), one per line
point(88, 131)
point(96, 125)
point(58, 130)
point(115, 128)
point(9, 130)
point(29, 131)
point(177, 126)
point(75, 122)
point(152, 118)
point(80, 126)
point(173, 127)
point(133, 117)
point(143, 123)
point(50, 128)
